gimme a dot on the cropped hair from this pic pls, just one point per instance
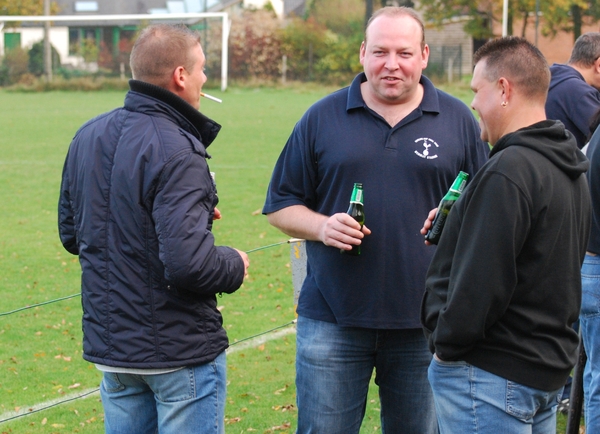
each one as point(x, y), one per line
point(518, 61)
point(159, 49)
point(398, 11)
point(586, 50)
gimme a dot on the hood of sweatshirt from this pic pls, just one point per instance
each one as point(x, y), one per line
point(561, 72)
point(553, 141)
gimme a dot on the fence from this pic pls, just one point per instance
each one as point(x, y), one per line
point(445, 62)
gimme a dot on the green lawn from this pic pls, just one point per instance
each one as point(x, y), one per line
point(40, 355)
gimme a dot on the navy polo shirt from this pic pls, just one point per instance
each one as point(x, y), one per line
point(405, 171)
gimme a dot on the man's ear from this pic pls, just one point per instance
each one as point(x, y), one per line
point(597, 66)
point(179, 78)
point(505, 88)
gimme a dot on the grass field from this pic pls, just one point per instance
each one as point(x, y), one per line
point(40, 354)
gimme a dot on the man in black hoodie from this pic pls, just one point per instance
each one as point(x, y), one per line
point(504, 287)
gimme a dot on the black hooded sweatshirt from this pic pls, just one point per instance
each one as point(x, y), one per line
point(504, 286)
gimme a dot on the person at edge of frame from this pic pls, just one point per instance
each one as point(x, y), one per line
point(573, 97)
point(137, 204)
point(574, 92)
point(589, 317)
point(405, 141)
point(504, 285)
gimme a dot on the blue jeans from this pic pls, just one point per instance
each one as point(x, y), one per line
point(190, 400)
point(590, 332)
point(333, 370)
point(471, 400)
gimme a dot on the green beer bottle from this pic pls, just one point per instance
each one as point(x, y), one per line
point(433, 234)
point(356, 210)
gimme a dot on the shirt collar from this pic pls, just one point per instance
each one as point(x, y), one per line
point(430, 102)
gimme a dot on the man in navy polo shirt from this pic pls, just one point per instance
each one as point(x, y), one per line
point(405, 141)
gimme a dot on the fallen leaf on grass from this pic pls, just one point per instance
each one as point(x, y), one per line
point(65, 358)
point(232, 420)
point(283, 408)
point(278, 392)
point(282, 427)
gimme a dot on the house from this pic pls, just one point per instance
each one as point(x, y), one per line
point(68, 37)
point(109, 42)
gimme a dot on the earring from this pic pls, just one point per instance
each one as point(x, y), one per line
point(504, 104)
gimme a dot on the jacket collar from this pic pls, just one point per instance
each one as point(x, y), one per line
point(190, 119)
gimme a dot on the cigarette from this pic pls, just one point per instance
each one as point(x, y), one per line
point(205, 95)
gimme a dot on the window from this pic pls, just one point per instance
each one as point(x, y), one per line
point(86, 6)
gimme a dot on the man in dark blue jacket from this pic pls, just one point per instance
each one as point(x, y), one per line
point(573, 97)
point(137, 203)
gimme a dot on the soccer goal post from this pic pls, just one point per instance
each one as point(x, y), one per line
point(187, 18)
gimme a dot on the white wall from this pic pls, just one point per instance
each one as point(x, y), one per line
point(59, 38)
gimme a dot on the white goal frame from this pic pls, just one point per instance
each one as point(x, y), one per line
point(138, 17)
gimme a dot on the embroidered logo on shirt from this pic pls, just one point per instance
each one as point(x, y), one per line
point(429, 146)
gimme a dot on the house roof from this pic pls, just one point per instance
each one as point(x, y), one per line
point(296, 7)
point(120, 7)
point(127, 7)
point(109, 7)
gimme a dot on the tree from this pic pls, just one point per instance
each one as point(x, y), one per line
point(304, 43)
point(336, 14)
point(569, 16)
point(14, 66)
point(255, 46)
point(558, 15)
point(26, 7)
point(36, 59)
point(481, 14)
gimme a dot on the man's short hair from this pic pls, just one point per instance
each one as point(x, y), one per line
point(398, 11)
point(586, 50)
point(519, 61)
point(159, 49)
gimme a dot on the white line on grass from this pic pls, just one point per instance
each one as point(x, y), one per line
point(47, 404)
point(255, 342)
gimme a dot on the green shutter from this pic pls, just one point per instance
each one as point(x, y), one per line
point(12, 40)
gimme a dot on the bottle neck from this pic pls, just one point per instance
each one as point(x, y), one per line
point(357, 196)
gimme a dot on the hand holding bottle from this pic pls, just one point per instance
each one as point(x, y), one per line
point(342, 231)
point(428, 223)
point(443, 209)
point(356, 210)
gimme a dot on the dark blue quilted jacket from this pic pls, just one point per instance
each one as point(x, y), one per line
point(136, 204)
